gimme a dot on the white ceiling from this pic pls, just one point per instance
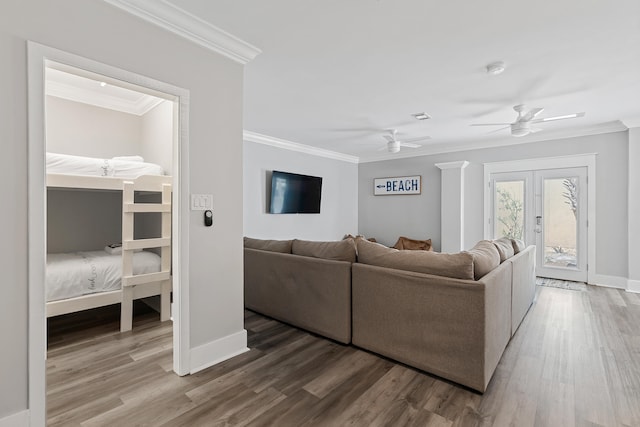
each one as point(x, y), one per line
point(97, 92)
point(335, 74)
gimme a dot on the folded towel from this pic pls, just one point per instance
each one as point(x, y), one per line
point(114, 248)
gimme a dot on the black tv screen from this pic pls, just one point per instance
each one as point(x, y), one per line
point(294, 193)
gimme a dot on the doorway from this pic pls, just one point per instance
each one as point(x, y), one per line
point(546, 208)
point(39, 58)
point(550, 203)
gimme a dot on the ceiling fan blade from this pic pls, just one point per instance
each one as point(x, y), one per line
point(490, 124)
point(388, 138)
point(534, 130)
point(421, 138)
point(501, 129)
point(410, 145)
point(551, 119)
point(383, 148)
point(531, 114)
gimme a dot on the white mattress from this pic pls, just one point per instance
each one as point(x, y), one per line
point(117, 167)
point(75, 274)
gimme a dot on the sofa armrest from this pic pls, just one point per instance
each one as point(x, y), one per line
point(453, 328)
point(523, 285)
point(311, 293)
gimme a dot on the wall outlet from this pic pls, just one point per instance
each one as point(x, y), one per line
point(201, 202)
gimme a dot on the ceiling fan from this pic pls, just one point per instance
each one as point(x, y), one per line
point(522, 125)
point(393, 144)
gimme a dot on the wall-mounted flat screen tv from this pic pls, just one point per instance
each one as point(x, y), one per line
point(294, 193)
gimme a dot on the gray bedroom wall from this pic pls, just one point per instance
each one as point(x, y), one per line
point(86, 130)
point(338, 211)
point(86, 28)
point(387, 217)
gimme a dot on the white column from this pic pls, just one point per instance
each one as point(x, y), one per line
point(452, 206)
point(634, 208)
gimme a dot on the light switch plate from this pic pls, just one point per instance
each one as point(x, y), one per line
point(201, 202)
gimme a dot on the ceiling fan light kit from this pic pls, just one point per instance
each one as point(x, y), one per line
point(496, 68)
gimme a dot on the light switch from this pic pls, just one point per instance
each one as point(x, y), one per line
point(201, 202)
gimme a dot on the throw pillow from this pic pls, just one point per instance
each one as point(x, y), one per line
point(518, 246)
point(405, 243)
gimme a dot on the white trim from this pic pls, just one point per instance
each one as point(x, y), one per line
point(217, 351)
point(294, 146)
point(606, 281)
point(631, 122)
point(587, 160)
point(19, 419)
point(453, 165)
point(38, 57)
point(633, 285)
point(178, 21)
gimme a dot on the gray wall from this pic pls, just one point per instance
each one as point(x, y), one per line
point(339, 204)
point(86, 130)
point(86, 28)
point(387, 217)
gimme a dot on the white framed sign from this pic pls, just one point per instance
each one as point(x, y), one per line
point(397, 185)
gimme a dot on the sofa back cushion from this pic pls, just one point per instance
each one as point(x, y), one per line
point(485, 258)
point(504, 247)
point(283, 246)
point(518, 246)
point(405, 243)
point(342, 250)
point(459, 266)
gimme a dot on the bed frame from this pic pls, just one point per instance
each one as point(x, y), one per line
point(133, 286)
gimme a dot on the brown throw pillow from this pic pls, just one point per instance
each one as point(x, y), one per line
point(283, 246)
point(485, 258)
point(343, 250)
point(405, 243)
point(458, 266)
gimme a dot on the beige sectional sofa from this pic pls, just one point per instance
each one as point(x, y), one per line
point(448, 314)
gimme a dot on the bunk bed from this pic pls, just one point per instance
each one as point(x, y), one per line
point(84, 280)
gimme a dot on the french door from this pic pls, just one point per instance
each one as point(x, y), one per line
point(547, 208)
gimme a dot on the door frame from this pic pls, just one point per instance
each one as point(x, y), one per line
point(38, 57)
point(587, 160)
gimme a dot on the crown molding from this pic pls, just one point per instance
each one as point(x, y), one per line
point(143, 105)
point(631, 122)
point(178, 21)
point(294, 146)
point(453, 165)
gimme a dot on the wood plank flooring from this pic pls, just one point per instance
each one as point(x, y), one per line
point(575, 361)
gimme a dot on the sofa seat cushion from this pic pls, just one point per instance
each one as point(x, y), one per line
point(405, 243)
point(485, 258)
point(283, 246)
point(343, 250)
point(459, 266)
point(504, 247)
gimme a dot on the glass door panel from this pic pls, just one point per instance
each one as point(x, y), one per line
point(509, 209)
point(561, 223)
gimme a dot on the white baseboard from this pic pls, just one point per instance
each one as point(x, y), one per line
point(19, 419)
point(218, 351)
point(609, 281)
point(633, 286)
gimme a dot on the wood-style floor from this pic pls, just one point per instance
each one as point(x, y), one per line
point(575, 361)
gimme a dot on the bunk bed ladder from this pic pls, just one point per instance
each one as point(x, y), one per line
point(143, 285)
